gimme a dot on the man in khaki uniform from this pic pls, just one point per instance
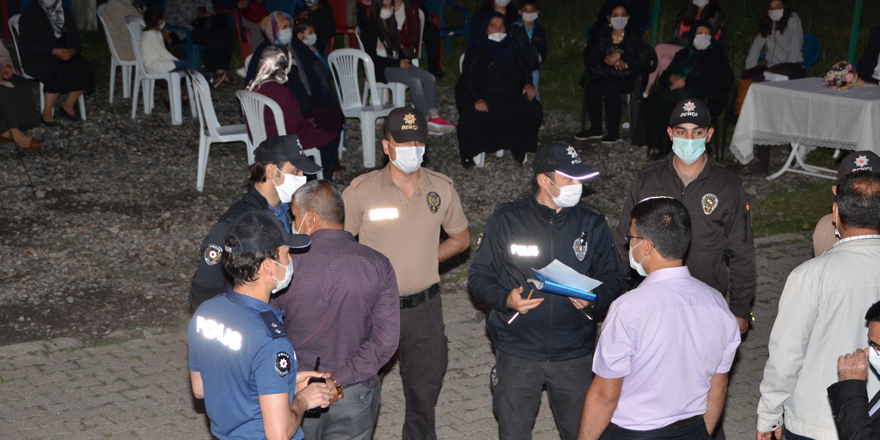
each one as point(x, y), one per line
point(399, 211)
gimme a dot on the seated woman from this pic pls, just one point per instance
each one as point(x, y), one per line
point(275, 64)
point(698, 71)
point(406, 14)
point(18, 108)
point(614, 56)
point(381, 41)
point(50, 52)
point(208, 30)
point(692, 10)
point(495, 97)
point(156, 57)
point(781, 37)
point(869, 65)
point(503, 7)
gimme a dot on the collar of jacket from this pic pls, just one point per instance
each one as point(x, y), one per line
point(255, 199)
point(707, 169)
point(545, 212)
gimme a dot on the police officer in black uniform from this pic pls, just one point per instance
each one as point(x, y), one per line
point(278, 171)
point(240, 358)
point(551, 341)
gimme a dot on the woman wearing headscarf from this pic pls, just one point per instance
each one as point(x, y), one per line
point(614, 56)
point(272, 72)
point(18, 105)
point(699, 70)
point(495, 97)
point(503, 7)
point(50, 52)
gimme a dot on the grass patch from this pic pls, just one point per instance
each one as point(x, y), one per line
point(794, 210)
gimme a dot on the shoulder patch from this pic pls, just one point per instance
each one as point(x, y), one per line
point(282, 363)
point(212, 254)
point(276, 329)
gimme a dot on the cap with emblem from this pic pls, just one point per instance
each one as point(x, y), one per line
point(562, 158)
point(858, 161)
point(406, 124)
point(690, 111)
point(258, 231)
point(285, 148)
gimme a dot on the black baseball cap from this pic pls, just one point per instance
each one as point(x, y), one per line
point(406, 124)
point(562, 158)
point(690, 111)
point(286, 148)
point(858, 161)
point(261, 231)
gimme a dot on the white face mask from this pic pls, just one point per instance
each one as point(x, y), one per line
point(618, 23)
point(701, 42)
point(311, 40)
point(529, 17)
point(701, 3)
point(285, 35)
point(569, 195)
point(289, 186)
point(637, 266)
point(287, 278)
point(776, 14)
point(502, 3)
point(385, 14)
point(497, 36)
point(300, 227)
point(409, 159)
point(311, 3)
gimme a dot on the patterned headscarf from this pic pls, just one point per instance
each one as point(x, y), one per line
point(55, 11)
point(270, 26)
point(275, 64)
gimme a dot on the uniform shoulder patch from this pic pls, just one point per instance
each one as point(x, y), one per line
point(212, 254)
point(282, 363)
point(276, 329)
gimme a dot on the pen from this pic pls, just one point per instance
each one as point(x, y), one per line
point(517, 313)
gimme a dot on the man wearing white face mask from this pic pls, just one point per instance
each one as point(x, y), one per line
point(278, 171)
point(551, 340)
point(399, 211)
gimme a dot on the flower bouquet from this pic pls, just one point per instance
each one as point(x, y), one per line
point(842, 76)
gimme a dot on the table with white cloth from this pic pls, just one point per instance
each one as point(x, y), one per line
point(806, 114)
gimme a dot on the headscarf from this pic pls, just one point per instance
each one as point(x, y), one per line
point(270, 26)
point(275, 64)
point(502, 53)
point(55, 12)
point(695, 55)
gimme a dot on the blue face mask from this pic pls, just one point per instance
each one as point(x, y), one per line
point(688, 150)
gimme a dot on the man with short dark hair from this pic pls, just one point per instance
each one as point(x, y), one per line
point(240, 358)
point(278, 171)
point(666, 347)
point(815, 320)
point(342, 307)
point(826, 233)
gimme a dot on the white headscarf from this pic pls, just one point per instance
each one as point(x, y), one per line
point(55, 11)
point(275, 64)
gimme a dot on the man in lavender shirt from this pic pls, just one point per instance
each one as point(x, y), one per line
point(342, 306)
point(666, 347)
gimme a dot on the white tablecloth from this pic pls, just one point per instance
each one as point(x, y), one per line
point(804, 111)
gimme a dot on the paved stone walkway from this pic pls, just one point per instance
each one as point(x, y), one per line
point(140, 388)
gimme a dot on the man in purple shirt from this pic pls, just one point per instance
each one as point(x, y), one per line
point(342, 306)
point(666, 347)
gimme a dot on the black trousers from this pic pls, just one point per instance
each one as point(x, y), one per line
point(608, 90)
point(431, 38)
point(423, 356)
point(691, 429)
point(219, 43)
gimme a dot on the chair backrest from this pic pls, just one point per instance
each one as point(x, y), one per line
point(421, 34)
point(344, 64)
point(13, 26)
point(253, 105)
point(357, 34)
point(247, 62)
point(135, 29)
point(811, 49)
point(204, 105)
point(110, 44)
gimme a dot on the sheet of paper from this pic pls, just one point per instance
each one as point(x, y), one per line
point(562, 274)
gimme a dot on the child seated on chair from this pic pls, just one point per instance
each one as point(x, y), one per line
point(156, 57)
point(532, 40)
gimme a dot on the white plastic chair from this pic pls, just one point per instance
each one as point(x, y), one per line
point(247, 62)
point(480, 159)
point(344, 64)
point(253, 105)
point(210, 130)
point(13, 25)
point(115, 61)
point(148, 80)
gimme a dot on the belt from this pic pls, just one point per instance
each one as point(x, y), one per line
point(417, 299)
point(674, 425)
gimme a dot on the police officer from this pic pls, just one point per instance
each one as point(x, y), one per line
point(399, 211)
point(240, 357)
point(278, 171)
point(551, 341)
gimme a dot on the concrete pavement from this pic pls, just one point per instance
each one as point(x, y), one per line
point(139, 388)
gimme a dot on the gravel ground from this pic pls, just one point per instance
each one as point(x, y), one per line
point(103, 244)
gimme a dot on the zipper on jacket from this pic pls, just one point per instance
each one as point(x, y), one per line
point(550, 329)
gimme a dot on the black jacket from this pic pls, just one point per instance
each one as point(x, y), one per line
point(868, 62)
point(636, 53)
point(555, 330)
point(534, 50)
point(210, 279)
point(37, 39)
point(369, 36)
point(721, 244)
point(482, 78)
point(711, 76)
point(849, 404)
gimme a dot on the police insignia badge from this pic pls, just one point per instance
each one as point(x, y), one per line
point(282, 363)
point(479, 241)
point(212, 254)
point(433, 201)
point(710, 202)
point(580, 247)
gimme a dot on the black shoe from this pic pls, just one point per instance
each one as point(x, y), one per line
point(73, 117)
point(592, 133)
point(467, 163)
point(439, 74)
point(518, 157)
point(610, 138)
point(46, 123)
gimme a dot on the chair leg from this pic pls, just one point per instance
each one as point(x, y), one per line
point(112, 80)
point(499, 153)
point(126, 82)
point(82, 108)
point(480, 160)
point(368, 134)
point(134, 96)
point(176, 100)
point(192, 97)
point(148, 95)
point(42, 99)
point(250, 151)
point(204, 145)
